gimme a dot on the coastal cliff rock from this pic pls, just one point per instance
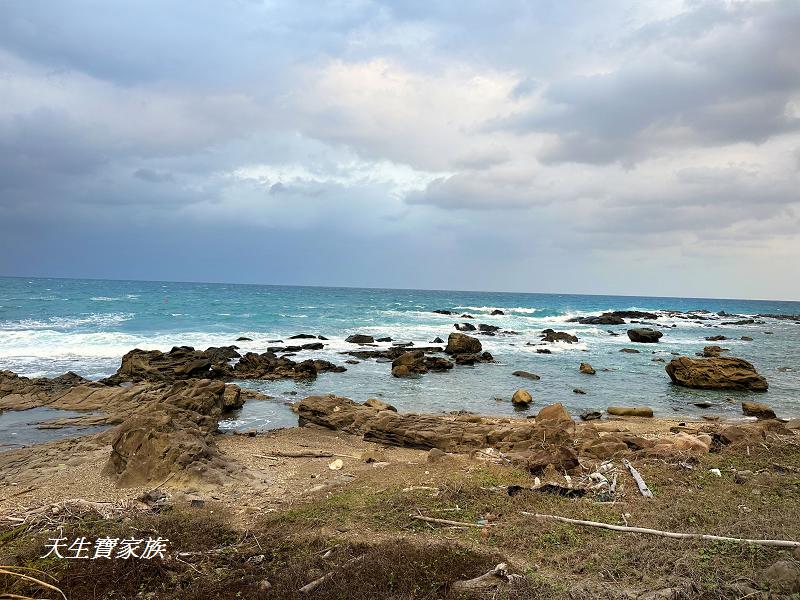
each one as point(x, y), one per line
point(644, 335)
point(720, 373)
point(172, 435)
point(459, 343)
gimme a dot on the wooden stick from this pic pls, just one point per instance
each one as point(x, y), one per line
point(669, 534)
point(310, 587)
point(447, 522)
point(639, 480)
point(306, 454)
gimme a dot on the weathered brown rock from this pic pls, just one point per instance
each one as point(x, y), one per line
point(587, 369)
point(644, 335)
point(758, 410)
point(416, 363)
point(379, 405)
point(521, 399)
point(721, 373)
point(712, 351)
point(459, 343)
point(630, 411)
point(554, 414)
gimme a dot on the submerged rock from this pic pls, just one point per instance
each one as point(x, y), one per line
point(526, 375)
point(720, 373)
point(644, 335)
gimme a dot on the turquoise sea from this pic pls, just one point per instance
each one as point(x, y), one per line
point(48, 326)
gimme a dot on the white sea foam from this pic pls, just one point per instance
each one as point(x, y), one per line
point(91, 319)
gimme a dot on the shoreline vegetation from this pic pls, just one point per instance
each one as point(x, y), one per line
point(363, 501)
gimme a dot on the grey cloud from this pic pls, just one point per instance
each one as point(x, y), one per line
point(153, 176)
point(732, 84)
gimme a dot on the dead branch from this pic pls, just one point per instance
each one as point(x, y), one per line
point(448, 522)
point(668, 534)
point(489, 580)
point(639, 480)
point(310, 587)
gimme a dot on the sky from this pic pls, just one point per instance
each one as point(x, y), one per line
point(566, 146)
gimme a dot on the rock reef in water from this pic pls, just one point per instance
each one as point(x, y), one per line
point(718, 373)
point(644, 335)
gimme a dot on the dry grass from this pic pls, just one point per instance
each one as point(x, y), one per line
point(404, 558)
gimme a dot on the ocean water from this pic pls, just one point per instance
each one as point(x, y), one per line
point(49, 326)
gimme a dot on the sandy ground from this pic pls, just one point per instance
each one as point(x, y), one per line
point(71, 469)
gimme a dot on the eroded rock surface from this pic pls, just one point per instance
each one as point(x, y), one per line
point(718, 373)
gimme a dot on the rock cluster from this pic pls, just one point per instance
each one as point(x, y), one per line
point(719, 373)
point(271, 367)
point(415, 362)
point(466, 350)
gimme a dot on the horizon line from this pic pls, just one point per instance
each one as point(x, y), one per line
point(399, 289)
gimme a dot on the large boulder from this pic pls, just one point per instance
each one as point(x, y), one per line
point(459, 343)
point(644, 335)
point(630, 411)
point(555, 414)
point(719, 373)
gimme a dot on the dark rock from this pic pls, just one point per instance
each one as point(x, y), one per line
point(384, 339)
point(467, 316)
point(526, 375)
point(416, 363)
point(244, 339)
point(543, 351)
point(644, 335)
point(497, 311)
point(591, 415)
point(711, 351)
point(302, 336)
point(578, 391)
point(440, 311)
point(716, 338)
point(269, 367)
point(742, 322)
point(721, 373)
point(359, 338)
point(437, 340)
point(746, 338)
point(587, 369)
point(630, 350)
point(465, 326)
point(549, 335)
point(491, 328)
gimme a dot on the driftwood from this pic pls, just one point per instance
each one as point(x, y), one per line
point(668, 534)
point(310, 587)
point(639, 480)
point(448, 522)
point(489, 580)
point(305, 454)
